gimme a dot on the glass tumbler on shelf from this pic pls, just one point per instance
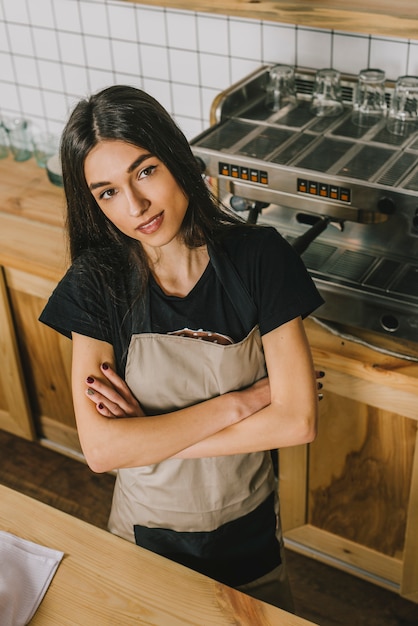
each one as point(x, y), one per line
point(280, 90)
point(326, 96)
point(19, 138)
point(4, 142)
point(369, 101)
point(45, 145)
point(403, 111)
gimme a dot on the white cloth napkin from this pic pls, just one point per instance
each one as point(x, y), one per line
point(26, 570)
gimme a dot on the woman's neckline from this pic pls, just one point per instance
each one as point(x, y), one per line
point(170, 296)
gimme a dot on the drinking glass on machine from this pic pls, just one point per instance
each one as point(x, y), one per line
point(326, 97)
point(403, 111)
point(369, 103)
point(281, 91)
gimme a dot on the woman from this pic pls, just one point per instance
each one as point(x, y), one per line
point(190, 359)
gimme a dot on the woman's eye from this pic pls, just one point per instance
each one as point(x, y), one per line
point(107, 194)
point(147, 171)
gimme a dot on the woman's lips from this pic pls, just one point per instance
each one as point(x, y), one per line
point(152, 225)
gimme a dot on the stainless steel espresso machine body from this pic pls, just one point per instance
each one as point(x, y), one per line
point(345, 196)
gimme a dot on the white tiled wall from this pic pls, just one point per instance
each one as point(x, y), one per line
point(52, 52)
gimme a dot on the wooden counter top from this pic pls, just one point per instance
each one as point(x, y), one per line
point(361, 372)
point(103, 579)
point(31, 220)
point(32, 247)
point(25, 191)
point(391, 18)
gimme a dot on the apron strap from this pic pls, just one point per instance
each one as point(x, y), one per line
point(232, 282)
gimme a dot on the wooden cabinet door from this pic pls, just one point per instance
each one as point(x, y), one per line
point(46, 361)
point(350, 498)
point(15, 414)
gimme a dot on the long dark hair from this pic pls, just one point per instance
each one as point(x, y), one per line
point(129, 114)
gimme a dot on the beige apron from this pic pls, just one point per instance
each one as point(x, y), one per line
point(192, 494)
point(170, 372)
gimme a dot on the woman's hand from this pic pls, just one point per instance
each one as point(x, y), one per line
point(114, 399)
point(117, 400)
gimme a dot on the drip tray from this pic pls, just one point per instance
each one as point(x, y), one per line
point(360, 270)
point(317, 255)
point(407, 283)
point(383, 273)
point(351, 266)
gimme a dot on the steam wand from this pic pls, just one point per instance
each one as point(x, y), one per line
point(301, 243)
point(254, 207)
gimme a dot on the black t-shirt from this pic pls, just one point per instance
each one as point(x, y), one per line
point(271, 272)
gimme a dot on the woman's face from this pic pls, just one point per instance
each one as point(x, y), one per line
point(136, 192)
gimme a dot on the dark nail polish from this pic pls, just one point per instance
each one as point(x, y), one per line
point(90, 380)
point(321, 374)
point(105, 366)
point(100, 406)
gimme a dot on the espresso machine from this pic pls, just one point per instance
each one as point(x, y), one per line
point(344, 195)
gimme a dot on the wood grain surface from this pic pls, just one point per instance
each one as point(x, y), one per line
point(25, 191)
point(360, 474)
point(106, 580)
point(384, 17)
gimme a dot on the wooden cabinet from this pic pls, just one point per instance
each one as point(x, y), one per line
point(46, 360)
point(15, 414)
point(349, 499)
point(357, 485)
point(375, 17)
